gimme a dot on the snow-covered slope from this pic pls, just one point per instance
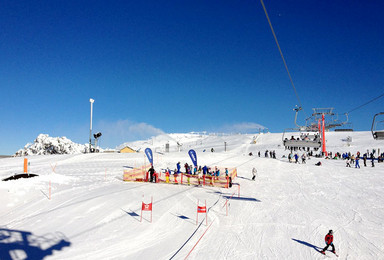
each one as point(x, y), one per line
point(284, 214)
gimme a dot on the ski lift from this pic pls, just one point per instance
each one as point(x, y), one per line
point(305, 139)
point(377, 134)
point(303, 136)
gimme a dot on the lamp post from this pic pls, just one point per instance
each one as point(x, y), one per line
point(90, 129)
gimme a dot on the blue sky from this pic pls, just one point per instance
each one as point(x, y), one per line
point(181, 66)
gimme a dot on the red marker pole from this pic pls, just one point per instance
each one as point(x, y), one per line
point(151, 208)
point(206, 214)
point(141, 214)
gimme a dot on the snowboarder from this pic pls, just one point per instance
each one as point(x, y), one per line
point(254, 173)
point(329, 242)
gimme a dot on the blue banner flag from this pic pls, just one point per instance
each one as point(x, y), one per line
point(193, 156)
point(148, 152)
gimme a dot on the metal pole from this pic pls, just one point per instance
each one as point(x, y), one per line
point(90, 128)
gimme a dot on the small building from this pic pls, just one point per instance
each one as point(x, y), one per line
point(127, 149)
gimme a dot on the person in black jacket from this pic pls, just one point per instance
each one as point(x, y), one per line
point(151, 173)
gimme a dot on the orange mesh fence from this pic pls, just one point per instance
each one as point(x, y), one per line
point(221, 181)
point(136, 174)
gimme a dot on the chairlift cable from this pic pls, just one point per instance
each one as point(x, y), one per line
point(366, 103)
point(281, 53)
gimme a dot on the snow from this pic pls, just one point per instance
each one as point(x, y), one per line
point(284, 214)
point(44, 144)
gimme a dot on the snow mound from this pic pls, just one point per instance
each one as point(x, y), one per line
point(44, 144)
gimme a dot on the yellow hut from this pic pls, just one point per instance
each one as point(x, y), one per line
point(127, 149)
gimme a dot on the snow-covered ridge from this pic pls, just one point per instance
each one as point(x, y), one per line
point(44, 144)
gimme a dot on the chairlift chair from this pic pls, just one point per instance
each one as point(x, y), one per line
point(377, 134)
point(311, 142)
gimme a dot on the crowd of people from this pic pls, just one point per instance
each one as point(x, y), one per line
point(189, 170)
point(352, 160)
point(271, 154)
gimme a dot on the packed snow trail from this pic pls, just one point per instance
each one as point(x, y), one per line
point(283, 214)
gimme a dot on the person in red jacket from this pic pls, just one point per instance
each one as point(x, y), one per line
point(329, 242)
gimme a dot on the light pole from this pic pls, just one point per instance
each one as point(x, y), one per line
point(90, 129)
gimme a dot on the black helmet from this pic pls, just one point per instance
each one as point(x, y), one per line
point(331, 231)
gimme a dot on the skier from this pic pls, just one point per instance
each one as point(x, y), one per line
point(329, 242)
point(254, 173)
point(357, 165)
point(167, 175)
point(303, 157)
point(348, 163)
point(365, 160)
point(296, 158)
point(373, 160)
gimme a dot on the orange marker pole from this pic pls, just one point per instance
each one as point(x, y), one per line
point(25, 165)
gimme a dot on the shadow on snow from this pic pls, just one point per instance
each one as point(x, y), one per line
point(18, 244)
point(241, 198)
point(318, 249)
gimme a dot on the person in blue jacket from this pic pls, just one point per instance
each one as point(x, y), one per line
point(296, 158)
point(357, 165)
point(205, 170)
point(178, 167)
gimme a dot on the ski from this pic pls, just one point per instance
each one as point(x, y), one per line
point(321, 252)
